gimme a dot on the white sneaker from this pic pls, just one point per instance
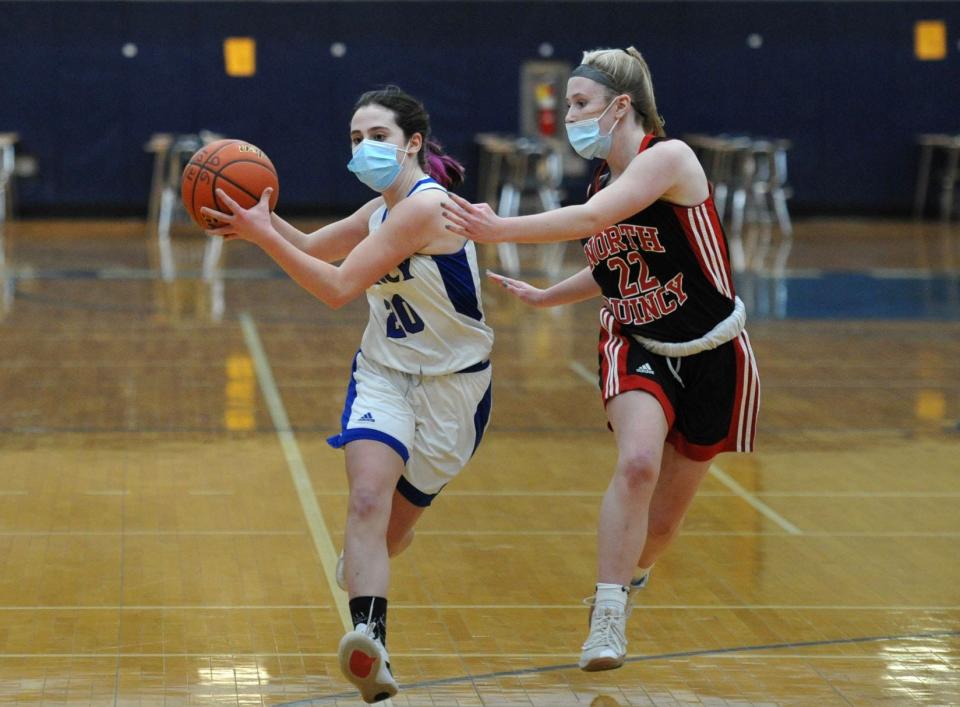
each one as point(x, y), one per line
point(365, 663)
point(606, 646)
point(341, 578)
point(628, 607)
point(638, 583)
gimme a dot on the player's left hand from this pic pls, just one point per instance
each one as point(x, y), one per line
point(523, 291)
point(245, 224)
point(477, 222)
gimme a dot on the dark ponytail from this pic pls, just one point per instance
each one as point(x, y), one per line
point(412, 118)
point(441, 166)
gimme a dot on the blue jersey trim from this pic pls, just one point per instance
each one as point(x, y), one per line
point(425, 180)
point(477, 367)
point(458, 281)
point(351, 393)
point(482, 416)
point(355, 433)
point(346, 435)
point(413, 494)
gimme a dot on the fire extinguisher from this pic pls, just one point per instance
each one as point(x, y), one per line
point(546, 98)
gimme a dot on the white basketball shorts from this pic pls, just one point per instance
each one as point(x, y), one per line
point(435, 423)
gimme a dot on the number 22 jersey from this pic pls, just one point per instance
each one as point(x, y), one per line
point(426, 316)
point(664, 272)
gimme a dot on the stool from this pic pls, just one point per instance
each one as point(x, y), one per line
point(741, 169)
point(770, 195)
point(713, 158)
point(949, 146)
point(511, 167)
point(8, 282)
point(171, 153)
point(8, 160)
point(717, 157)
point(750, 174)
point(494, 152)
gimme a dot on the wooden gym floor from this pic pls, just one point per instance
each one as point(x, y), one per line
point(170, 512)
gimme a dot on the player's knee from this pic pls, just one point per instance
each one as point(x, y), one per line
point(366, 502)
point(639, 470)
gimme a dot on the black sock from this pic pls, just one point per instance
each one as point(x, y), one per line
point(373, 612)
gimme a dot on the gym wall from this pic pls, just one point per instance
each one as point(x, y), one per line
point(85, 84)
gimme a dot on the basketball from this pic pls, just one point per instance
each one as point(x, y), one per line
point(242, 170)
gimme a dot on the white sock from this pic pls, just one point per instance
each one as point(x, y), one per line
point(641, 573)
point(611, 594)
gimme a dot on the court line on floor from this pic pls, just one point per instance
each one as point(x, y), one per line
point(718, 533)
point(716, 471)
point(700, 494)
point(296, 465)
point(508, 493)
point(753, 501)
point(587, 532)
point(849, 494)
point(706, 652)
point(584, 373)
point(684, 607)
point(420, 656)
point(152, 533)
point(481, 607)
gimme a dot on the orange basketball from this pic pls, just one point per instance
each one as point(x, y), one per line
point(242, 170)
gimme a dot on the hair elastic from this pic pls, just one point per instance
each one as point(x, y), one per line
point(601, 77)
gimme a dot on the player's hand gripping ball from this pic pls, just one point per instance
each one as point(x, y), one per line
point(242, 170)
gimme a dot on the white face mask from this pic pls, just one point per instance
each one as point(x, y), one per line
point(375, 164)
point(585, 137)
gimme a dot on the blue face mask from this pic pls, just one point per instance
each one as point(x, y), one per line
point(585, 137)
point(375, 164)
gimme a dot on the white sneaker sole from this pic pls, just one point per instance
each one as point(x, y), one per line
point(601, 663)
point(361, 662)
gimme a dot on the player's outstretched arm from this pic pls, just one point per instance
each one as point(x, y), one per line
point(651, 174)
point(409, 229)
point(576, 288)
point(335, 240)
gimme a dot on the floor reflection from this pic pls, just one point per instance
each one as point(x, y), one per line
point(850, 295)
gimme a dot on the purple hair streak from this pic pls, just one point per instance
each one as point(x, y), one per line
point(442, 167)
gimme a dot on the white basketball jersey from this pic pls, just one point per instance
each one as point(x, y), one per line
point(426, 317)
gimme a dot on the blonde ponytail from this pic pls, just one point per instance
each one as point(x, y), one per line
point(630, 74)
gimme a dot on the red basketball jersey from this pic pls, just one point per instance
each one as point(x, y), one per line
point(664, 272)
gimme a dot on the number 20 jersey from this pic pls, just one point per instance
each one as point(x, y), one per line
point(426, 316)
